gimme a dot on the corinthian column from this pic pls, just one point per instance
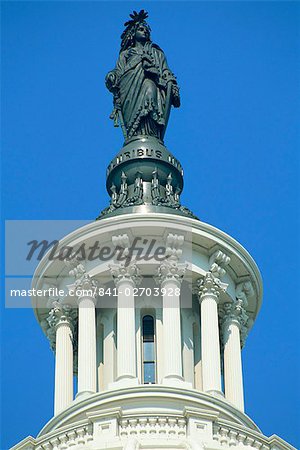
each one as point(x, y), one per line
point(85, 289)
point(60, 320)
point(234, 322)
point(170, 275)
point(126, 278)
point(209, 291)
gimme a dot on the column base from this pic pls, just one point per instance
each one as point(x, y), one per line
point(176, 382)
point(124, 383)
point(218, 394)
point(82, 395)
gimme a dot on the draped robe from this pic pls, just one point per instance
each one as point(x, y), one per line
point(142, 90)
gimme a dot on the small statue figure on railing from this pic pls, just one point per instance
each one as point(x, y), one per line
point(155, 193)
point(142, 84)
point(123, 194)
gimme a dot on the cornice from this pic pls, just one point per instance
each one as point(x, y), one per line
point(25, 444)
point(112, 400)
point(109, 225)
point(199, 229)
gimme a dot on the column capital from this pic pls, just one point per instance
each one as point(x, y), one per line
point(125, 273)
point(235, 312)
point(84, 286)
point(61, 314)
point(170, 270)
point(210, 286)
point(58, 315)
point(86, 283)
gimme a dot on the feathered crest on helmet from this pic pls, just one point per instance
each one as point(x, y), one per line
point(136, 17)
point(127, 37)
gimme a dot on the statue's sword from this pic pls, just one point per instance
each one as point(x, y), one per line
point(120, 115)
point(117, 115)
point(168, 106)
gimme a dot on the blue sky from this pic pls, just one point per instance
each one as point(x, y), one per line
point(236, 135)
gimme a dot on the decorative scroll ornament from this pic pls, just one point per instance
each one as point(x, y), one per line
point(121, 241)
point(75, 266)
point(244, 291)
point(121, 271)
point(210, 286)
point(171, 269)
point(218, 261)
point(174, 246)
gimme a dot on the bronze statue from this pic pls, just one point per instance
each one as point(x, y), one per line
point(142, 84)
point(144, 176)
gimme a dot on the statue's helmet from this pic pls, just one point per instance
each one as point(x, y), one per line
point(128, 35)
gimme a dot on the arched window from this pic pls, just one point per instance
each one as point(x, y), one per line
point(148, 350)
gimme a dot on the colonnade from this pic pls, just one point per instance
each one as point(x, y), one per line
point(227, 321)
